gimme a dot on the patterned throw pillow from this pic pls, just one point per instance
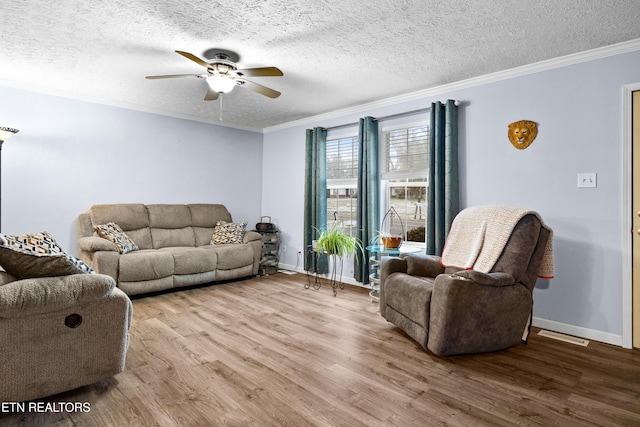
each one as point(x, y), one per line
point(37, 255)
point(39, 243)
point(114, 233)
point(228, 232)
point(79, 264)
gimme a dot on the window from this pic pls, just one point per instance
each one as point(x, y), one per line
point(405, 173)
point(342, 183)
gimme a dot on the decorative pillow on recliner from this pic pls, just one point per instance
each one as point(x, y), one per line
point(228, 232)
point(39, 243)
point(114, 234)
point(24, 263)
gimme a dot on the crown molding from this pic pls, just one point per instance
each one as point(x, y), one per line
point(550, 64)
point(536, 67)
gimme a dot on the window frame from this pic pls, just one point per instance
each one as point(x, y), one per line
point(343, 183)
point(390, 180)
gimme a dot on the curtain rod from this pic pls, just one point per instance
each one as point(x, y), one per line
point(391, 116)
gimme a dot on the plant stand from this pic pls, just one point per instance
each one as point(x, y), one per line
point(335, 280)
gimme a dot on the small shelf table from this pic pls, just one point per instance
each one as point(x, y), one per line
point(269, 257)
point(376, 252)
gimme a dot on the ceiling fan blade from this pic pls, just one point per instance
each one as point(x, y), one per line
point(211, 94)
point(263, 90)
point(193, 58)
point(172, 76)
point(261, 72)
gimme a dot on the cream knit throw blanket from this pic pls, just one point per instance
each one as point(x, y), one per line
point(479, 234)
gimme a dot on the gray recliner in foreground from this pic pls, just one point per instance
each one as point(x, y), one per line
point(478, 296)
point(60, 333)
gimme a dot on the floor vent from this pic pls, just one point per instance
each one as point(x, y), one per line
point(289, 272)
point(562, 337)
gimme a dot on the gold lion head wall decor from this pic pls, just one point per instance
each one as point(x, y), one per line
point(522, 133)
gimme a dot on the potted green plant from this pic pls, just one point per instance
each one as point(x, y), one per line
point(334, 242)
point(337, 244)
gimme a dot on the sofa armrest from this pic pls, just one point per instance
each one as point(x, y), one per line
point(28, 297)
point(94, 244)
point(473, 312)
point(250, 236)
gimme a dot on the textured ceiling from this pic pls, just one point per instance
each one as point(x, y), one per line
point(334, 54)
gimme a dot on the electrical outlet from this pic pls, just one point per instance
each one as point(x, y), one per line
point(587, 180)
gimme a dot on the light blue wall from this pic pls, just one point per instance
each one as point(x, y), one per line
point(70, 155)
point(578, 109)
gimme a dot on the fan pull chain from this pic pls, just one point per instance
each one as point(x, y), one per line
point(220, 116)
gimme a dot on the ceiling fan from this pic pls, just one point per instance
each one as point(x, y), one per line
point(223, 75)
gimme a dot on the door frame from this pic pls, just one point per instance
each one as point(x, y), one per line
point(627, 213)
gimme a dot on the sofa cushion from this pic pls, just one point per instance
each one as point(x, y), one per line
point(6, 277)
point(228, 232)
point(189, 260)
point(142, 237)
point(146, 264)
point(203, 235)
point(113, 233)
point(132, 218)
point(163, 238)
point(129, 216)
point(231, 256)
point(169, 216)
point(170, 226)
point(204, 218)
point(208, 215)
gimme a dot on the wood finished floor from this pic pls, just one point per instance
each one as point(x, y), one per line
point(267, 352)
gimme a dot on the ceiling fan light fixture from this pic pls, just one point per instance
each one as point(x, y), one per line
point(221, 84)
point(223, 75)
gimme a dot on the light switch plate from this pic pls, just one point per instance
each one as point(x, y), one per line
point(587, 180)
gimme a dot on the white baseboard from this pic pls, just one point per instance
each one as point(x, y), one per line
point(345, 279)
point(578, 331)
point(552, 325)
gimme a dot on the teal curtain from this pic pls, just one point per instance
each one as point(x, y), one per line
point(315, 197)
point(443, 201)
point(368, 207)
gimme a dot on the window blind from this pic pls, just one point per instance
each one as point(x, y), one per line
point(405, 152)
point(342, 158)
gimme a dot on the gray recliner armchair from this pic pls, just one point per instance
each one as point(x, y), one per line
point(60, 333)
point(477, 297)
point(61, 325)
